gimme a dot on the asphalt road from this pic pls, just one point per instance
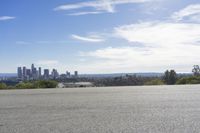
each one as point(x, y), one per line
point(161, 109)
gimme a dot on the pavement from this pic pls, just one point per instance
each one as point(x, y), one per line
point(153, 109)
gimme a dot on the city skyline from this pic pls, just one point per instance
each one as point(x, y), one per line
point(35, 73)
point(100, 36)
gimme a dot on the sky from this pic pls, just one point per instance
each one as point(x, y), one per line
point(100, 36)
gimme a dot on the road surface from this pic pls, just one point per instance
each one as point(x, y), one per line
point(160, 109)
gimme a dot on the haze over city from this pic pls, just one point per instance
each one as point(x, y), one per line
point(100, 36)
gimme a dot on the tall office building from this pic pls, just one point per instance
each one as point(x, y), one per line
point(24, 73)
point(68, 74)
point(28, 74)
point(46, 74)
point(34, 74)
point(32, 68)
point(76, 74)
point(40, 72)
point(19, 72)
point(54, 74)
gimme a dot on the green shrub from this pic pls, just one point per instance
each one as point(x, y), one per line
point(46, 84)
point(27, 85)
point(3, 86)
point(155, 82)
point(189, 80)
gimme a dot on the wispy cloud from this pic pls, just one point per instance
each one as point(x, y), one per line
point(160, 33)
point(166, 45)
point(91, 38)
point(23, 42)
point(4, 18)
point(191, 12)
point(83, 13)
point(99, 5)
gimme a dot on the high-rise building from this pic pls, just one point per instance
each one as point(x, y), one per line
point(32, 68)
point(46, 74)
point(24, 73)
point(28, 74)
point(19, 72)
point(34, 74)
point(68, 74)
point(40, 72)
point(76, 74)
point(54, 74)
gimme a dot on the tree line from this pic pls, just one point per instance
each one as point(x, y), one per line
point(31, 85)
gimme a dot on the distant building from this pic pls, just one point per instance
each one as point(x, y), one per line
point(40, 72)
point(54, 74)
point(32, 68)
point(19, 73)
point(36, 74)
point(46, 74)
point(24, 73)
point(68, 74)
point(76, 74)
point(28, 74)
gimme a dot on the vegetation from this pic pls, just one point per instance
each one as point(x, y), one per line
point(189, 80)
point(127, 80)
point(31, 85)
point(155, 82)
point(3, 86)
point(196, 70)
point(170, 77)
point(25, 86)
point(45, 84)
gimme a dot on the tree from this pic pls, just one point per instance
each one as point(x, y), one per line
point(170, 77)
point(155, 82)
point(196, 70)
point(25, 85)
point(3, 86)
point(166, 77)
point(46, 84)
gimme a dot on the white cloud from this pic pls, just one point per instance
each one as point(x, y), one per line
point(83, 13)
point(91, 38)
point(23, 42)
point(191, 12)
point(4, 18)
point(160, 34)
point(100, 5)
point(168, 46)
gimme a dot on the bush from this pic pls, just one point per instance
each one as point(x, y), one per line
point(3, 86)
point(25, 86)
point(46, 84)
point(155, 82)
point(189, 80)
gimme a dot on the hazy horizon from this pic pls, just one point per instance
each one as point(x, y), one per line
point(100, 36)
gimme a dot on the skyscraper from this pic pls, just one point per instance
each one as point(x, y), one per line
point(40, 72)
point(28, 74)
point(24, 73)
point(68, 74)
point(54, 74)
point(46, 74)
point(32, 68)
point(76, 74)
point(19, 72)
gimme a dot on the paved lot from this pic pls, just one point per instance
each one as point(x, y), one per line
point(161, 109)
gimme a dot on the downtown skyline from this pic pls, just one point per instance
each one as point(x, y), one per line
point(100, 36)
point(33, 73)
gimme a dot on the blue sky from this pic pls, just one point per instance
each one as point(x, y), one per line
point(100, 36)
